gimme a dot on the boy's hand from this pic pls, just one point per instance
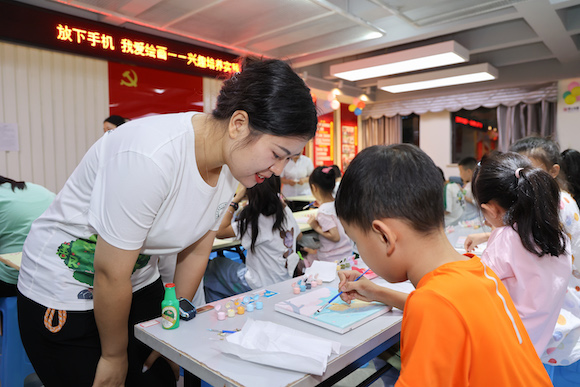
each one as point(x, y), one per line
point(363, 289)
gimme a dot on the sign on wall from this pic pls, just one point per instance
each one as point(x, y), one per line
point(33, 25)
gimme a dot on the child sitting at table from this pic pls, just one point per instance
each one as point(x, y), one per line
point(460, 326)
point(453, 201)
point(466, 167)
point(334, 243)
point(527, 247)
point(268, 231)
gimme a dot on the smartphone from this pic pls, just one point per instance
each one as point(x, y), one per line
point(204, 308)
point(187, 310)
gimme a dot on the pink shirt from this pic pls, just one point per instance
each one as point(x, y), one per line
point(332, 251)
point(537, 285)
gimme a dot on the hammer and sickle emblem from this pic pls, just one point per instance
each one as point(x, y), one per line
point(131, 78)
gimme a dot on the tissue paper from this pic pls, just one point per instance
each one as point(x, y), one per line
point(275, 345)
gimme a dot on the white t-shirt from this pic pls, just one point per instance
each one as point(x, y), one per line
point(331, 251)
point(295, 171)
point(471, 211)
point(454, 203)
point(138, 187)
point(275, 251)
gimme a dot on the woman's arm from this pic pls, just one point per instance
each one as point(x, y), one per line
point(226, 230)
point(112, 295)
point(191, 264)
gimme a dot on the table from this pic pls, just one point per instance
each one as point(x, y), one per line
point(463, 229)
point(192, 346)
point(13, 260)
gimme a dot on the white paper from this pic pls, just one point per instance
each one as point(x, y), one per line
point(326, 270)
point(267, 343)
point(8, 137)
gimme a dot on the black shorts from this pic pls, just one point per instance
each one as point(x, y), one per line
point(68, 355)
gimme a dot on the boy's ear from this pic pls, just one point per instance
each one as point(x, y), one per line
point(239, 124)
point(386, 233)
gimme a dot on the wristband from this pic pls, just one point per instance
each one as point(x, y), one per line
point(234, 205)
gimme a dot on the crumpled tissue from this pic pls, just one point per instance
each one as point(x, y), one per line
point(326, 270)
point(267, 343)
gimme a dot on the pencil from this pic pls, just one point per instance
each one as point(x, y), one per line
point(334, 298)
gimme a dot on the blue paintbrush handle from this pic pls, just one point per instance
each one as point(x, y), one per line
point(357, 278)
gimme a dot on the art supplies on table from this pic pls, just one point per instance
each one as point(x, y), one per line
point(369, 274)
point(338, 317)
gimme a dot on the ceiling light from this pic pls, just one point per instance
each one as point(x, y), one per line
point(456, 76)
point(434, 55)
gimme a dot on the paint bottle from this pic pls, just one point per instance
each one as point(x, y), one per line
point(170, 308)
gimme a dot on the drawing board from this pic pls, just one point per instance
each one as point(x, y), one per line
point(338, 316)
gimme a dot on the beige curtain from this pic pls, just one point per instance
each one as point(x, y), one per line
point(525, 119)
point(381, 131)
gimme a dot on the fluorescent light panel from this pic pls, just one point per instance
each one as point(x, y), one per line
point(456, 76)
point(434, 55)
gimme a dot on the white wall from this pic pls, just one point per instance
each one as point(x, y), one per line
point(59, 102)
point(568, 118)
point(435, 140)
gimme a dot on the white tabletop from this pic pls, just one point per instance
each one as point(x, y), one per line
point(192, 346)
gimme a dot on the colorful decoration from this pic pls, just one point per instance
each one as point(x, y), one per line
point(573, 94)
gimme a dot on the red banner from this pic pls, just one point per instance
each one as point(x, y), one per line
point(324, 140)
point(140, 91)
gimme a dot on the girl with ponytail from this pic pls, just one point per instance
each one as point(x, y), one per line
point(527, 249)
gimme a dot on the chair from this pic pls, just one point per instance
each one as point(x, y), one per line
point(14, 364)
point(566, 376)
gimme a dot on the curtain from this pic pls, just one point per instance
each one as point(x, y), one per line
point(381, 131)
point(525, 119)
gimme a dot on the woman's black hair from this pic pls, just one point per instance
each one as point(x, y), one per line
point(542, 149)
point(277, 100)
point(263, 199)
point(116, 120)
point(530, 200)
point(15, 184)
point(324, 178)
point(571, 170)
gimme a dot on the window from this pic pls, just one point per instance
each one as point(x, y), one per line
point(474, 133)
point(410, 125)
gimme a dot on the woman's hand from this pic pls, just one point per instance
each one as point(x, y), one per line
point(240, 194)
point(111, 372)
point(473, 240)
point(363, 289)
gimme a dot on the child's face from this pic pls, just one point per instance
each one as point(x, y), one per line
point(465, 174)
point(371, 248)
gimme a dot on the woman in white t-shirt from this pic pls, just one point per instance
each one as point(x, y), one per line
point(268, 231)
point(295, 176)
point(154, 186)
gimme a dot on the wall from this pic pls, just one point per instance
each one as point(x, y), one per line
point(435, 140)
point(59, 102)
point(568, 120)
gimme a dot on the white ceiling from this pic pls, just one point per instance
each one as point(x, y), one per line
point(530, 42)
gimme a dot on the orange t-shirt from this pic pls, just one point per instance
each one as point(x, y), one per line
point(460, 328)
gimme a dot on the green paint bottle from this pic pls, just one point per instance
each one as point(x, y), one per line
point(170, 308)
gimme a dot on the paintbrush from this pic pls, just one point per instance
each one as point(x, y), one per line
point(334, 298)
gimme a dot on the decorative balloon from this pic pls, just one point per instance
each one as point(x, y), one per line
point(351, 107)
point(361, 105)
point(335, 105)
point(572, 95)
point(357, 111)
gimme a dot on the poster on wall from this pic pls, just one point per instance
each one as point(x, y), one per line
point(323, 140)
point(569, 93)
point(136, 91)
point(348, 137)
point(348, 140)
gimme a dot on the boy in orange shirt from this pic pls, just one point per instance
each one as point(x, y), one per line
point(460, 327)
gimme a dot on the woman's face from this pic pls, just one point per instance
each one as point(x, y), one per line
point(266, 156)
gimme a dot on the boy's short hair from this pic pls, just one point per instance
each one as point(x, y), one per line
point(468, 163)
point(396, 181)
